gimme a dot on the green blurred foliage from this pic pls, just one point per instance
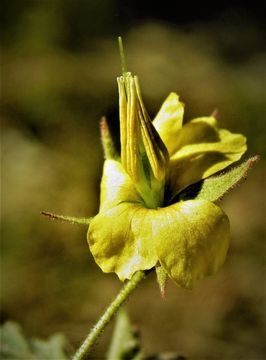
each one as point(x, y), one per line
point(59, 68)
point(14, 345)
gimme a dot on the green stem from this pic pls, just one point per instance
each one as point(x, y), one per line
point(88, 343)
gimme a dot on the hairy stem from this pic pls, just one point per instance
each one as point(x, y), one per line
point(88, 343)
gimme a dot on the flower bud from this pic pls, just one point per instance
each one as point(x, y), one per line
point(143, 154)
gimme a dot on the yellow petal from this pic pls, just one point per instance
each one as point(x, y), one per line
point(192, 240)
point(202, 150)
point(116, 186)
point(120, 240)
point(169, 120)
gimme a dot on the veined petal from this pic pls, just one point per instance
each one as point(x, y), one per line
point(202, 150)
point(116, 186)
point(192, 239)
point(120, 240)
point(169, 120)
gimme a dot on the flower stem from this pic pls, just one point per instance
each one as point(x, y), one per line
point(88, 343)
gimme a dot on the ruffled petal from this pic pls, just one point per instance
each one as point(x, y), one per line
point(121, 241)
point(169, 120)
point(192, 239)
point(202, 150)
point(116, 186)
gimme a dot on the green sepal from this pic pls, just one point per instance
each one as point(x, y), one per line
point(109, 149)
point(216, 186)
point(161, 279)
point(69, 219)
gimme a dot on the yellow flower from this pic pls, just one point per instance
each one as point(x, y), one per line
point(156, 208)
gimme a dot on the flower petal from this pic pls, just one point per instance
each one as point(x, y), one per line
point(192, 240)
point(116, 186)
point(169, 120)
point(202, 150)
point(120, 240)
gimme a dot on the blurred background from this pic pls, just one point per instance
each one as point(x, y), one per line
point(59, 67)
